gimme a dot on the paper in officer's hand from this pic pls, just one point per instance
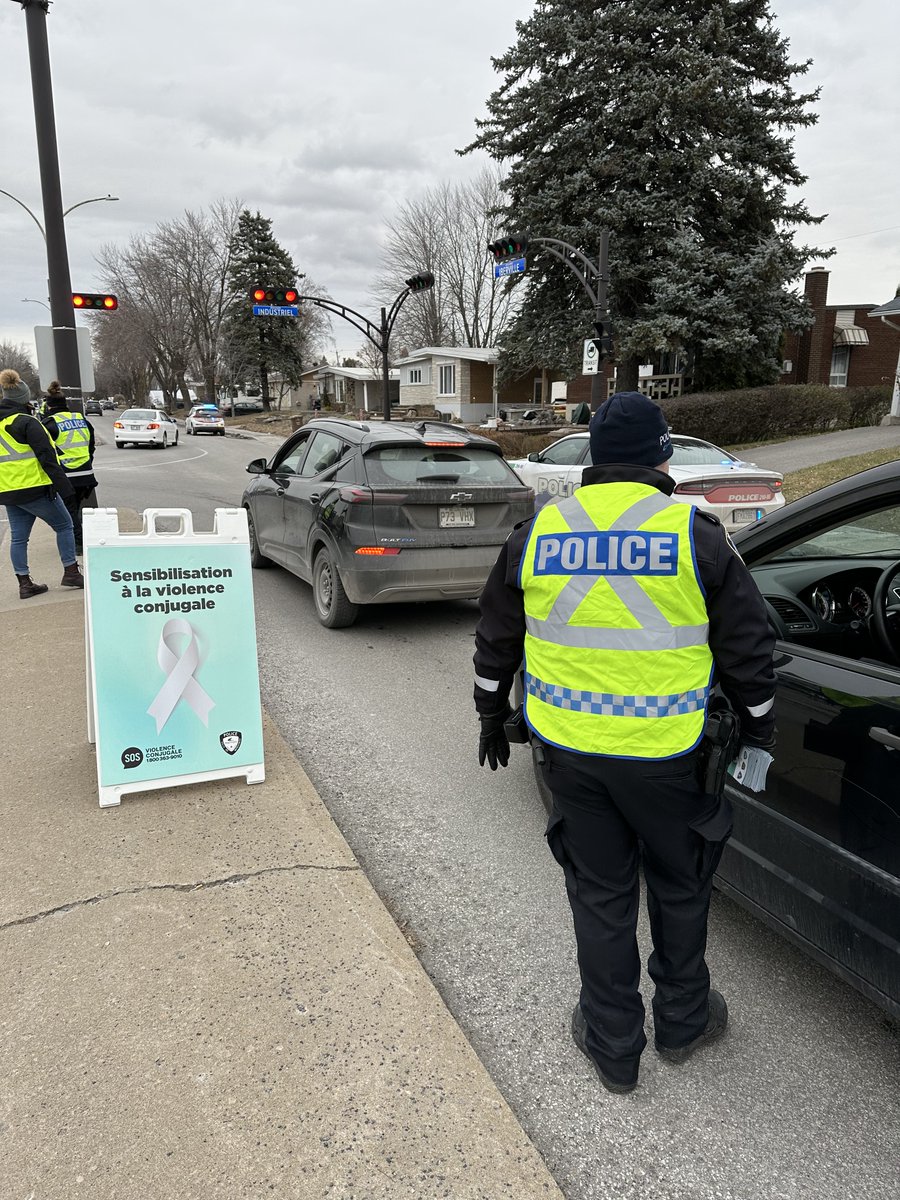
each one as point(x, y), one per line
point(751, 767)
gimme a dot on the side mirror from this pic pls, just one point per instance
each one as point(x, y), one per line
point(534, 457)
point(257, 467)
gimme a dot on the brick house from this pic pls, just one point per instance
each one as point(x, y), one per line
point(844, 347)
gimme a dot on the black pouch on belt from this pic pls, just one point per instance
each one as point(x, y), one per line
point(718, 748)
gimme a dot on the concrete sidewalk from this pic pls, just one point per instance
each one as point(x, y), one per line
point(201, 995)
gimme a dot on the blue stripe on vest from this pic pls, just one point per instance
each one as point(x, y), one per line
point(606, 704)
point(622, 552)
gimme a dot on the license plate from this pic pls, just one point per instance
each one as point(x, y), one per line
point(450, 517)
point(132, 427)
point(746, 514)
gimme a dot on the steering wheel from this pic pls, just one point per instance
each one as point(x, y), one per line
point(886, 607)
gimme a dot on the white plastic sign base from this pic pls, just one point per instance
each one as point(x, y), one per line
point(170, 637)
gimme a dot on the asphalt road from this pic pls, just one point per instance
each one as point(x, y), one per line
point(812, 451)
point(800, 1102)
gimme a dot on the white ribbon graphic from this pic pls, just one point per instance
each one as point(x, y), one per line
point(179, 669)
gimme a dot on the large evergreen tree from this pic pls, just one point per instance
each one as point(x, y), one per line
point(262, 343)
point(671, 125)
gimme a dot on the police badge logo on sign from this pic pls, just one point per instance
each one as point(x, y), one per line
point(230, 742)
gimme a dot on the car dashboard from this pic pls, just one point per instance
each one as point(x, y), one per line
point(824, 604)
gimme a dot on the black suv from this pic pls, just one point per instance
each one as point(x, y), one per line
point(376, 513)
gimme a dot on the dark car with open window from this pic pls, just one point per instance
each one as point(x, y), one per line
point(380, 512)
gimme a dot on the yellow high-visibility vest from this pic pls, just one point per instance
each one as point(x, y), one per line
point(19, 469)
point(73, 439)
point(616, 654)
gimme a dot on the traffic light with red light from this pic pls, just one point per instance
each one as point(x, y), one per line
point(94, 302)
point(273, 295)
point(420, 282)
point(512, 246)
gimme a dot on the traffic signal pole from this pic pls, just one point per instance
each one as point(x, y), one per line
point(378, 335)
point(62, 314)
point(593, 277)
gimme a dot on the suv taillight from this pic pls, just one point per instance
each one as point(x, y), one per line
point(356, 495)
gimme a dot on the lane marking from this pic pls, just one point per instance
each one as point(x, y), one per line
point(166, 462)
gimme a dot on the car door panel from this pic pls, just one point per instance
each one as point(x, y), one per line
point(819, 850)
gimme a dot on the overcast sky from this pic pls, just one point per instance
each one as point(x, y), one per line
point(325, 115)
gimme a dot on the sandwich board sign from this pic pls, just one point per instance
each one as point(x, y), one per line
point(170, 637)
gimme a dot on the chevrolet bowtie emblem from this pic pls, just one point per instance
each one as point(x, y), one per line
point(462, 496)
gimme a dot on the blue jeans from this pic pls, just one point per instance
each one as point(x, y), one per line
point(21, 519)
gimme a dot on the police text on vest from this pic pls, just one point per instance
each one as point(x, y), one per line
point(623, 552)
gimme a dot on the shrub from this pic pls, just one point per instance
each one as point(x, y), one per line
point(758, 414)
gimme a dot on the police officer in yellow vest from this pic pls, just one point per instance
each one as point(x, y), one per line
point(627, 607)
point(33, 485)
point(73, 435)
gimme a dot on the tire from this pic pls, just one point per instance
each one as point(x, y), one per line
point(221, 433)
point(175, 443)
point(165, 441)
point(257, 560)
point(333, 608)
point(187, 432)
point(119, 445)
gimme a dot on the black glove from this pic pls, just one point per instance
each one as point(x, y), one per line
point(493, 744)
point(765, 741)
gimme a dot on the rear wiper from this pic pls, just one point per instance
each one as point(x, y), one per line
point(437, 478)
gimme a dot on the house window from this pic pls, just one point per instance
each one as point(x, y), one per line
point(447, 380)
point(840, 362)
point(415, 375)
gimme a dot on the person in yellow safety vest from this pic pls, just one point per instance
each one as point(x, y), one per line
point(627, 607)
point(33, 485)
point(73, 435)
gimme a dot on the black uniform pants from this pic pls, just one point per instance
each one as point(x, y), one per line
point(611, 815)
point(85, 497)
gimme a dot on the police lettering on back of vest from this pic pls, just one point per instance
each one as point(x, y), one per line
point(72, 440)
point(629, 552)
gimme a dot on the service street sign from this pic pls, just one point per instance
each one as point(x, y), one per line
point(515, 266)
point(275, 310)
point(590, 364)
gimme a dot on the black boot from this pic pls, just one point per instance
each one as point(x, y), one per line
point(28, 588)
point(72, 577)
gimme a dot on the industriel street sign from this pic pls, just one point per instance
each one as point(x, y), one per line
point(590, 364)
point(515, 266)
point(275, 310)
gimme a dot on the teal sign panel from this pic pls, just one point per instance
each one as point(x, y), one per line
point(175, 675)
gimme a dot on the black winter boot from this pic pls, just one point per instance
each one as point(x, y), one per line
point(72, 577)
point(28, 588)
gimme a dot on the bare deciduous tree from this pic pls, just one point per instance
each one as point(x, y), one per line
point(446, 232)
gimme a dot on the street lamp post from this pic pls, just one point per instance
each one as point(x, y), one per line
point(379, 335)
point(71, 208)
point(62, 313)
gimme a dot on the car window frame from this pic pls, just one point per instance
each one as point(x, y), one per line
point(322, 434)
point(574, 462)
point(303, 440)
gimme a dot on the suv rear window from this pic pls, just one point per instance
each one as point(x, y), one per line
point(391, 465)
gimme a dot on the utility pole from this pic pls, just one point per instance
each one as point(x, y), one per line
point(62, 314)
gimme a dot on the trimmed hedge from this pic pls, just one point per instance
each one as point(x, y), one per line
point(763, 414)
point(732, 418)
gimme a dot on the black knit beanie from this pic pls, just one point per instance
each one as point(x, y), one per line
point(629, 428)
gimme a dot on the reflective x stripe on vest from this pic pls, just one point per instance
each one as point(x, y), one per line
point(73, 440)
point(616, 653)
point(19, 469)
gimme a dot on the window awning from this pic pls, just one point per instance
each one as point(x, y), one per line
point(851, 335)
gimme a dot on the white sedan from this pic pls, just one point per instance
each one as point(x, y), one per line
point(735, 491)
point(149, 425)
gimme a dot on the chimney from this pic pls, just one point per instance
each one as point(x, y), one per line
point(812, 340)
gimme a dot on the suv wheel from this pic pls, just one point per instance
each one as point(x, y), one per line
point(257, 559)
point(333, 608)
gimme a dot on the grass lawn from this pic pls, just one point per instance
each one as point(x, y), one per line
point(800, 483)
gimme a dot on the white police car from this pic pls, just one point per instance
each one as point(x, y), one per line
point(737, 492)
